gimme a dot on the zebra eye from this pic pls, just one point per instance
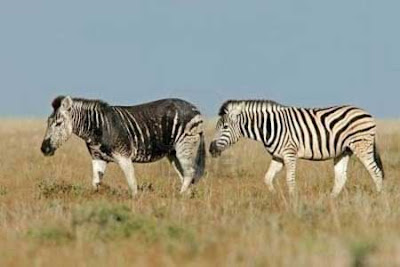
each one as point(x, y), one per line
point(225, 126)
point(58, 123)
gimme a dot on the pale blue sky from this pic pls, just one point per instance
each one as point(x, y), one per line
point(298, 52)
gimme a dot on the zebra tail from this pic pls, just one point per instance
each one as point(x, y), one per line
point(200, 158)
point(378, 160)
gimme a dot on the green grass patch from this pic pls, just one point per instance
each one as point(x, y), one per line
point(56, 189)
point(3, 190)
point(109, 222)
point(51, 234)
point(360, 252)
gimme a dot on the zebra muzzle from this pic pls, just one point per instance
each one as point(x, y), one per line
point(46, 148)
point(214, 150)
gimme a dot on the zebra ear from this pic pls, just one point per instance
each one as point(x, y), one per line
point(57, 102)
point(66, 103)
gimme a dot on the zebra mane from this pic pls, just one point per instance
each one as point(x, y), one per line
point(91, 102)
point(82, 102)
point(229, 103)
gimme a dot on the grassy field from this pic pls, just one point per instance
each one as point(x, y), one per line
point(50, 216)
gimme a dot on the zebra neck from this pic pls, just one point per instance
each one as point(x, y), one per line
point(87, 122)
point(250, 127)
point(257, 122)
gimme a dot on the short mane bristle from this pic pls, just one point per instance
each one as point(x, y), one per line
point(224, 108)
point(100, 103)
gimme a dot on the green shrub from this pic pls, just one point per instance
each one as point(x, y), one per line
point(3, 190)
point(51, 189)
point(52, 234)
point(108, 222)
point(360, 252)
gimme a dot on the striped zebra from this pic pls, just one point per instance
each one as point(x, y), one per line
point(289, 133)
point(126, 134)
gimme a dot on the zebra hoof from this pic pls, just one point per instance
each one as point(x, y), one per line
point(186, 192)
point(96, 187)
point(334, 195)
point(271, 189)
point(133, 193)
point(379, 189)
point(293, 194)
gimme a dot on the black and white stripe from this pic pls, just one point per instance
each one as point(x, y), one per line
point(289, 133)
point(126, 134)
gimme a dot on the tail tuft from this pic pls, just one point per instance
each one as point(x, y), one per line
point(200, 159)
point(378, 160)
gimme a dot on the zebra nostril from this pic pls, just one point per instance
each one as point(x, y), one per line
point(214, 149)
point(46, 147)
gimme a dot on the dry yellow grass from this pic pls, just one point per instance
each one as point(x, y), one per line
point(49, 215)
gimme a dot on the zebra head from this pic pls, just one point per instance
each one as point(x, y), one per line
point(59, 125)
point(228, 128)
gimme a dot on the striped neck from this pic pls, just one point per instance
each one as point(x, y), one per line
point(253, 119)
point(87, 118)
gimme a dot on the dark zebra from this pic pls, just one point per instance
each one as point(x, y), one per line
point(289, 133)
point(126, 134)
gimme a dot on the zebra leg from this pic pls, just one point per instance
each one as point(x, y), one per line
point(340, 163)
point(275, 167)
point(126, 165)
point(290, 164)
point(99, 167)
point(365, 151)
point(186, 152)
point(177, 166)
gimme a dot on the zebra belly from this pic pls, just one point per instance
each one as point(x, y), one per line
point(302, 153)
point(147, 158)
point(314, 156)
point(151, 153)
point(99, 151)
point(316, 159)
